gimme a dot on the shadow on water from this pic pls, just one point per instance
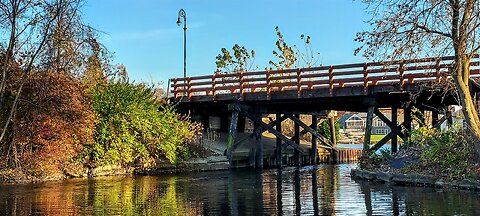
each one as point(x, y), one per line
point(310, 190)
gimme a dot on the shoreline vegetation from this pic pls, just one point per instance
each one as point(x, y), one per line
point(443, 159)
point(129, 130)
point(68, 111)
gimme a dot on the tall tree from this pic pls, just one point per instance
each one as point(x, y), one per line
point(291, 56)
point(39, 38)
point(428, 28)
point(241, 61)
point(287, 57)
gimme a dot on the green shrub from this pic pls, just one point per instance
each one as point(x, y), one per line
point(134, 125)
point(324, 129)
point(448, 152)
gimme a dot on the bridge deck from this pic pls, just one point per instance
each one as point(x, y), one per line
point(361, 87)
point(352, 87)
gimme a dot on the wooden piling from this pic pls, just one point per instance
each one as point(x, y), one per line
point(251, 157)
point(296, 154)
point(314, 158)
point(394, 138)
point(232, 131)
point(434, 117)
point(258, 143)
point(368, 131)
point(449, 117)
point(278, 149)
point(407, 118)
point(205, 122)
point(333, 138)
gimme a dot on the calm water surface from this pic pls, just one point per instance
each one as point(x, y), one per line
point(311, 190)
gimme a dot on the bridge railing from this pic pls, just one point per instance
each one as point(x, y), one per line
point(324, 77)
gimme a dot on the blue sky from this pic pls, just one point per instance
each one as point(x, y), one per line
point(143, 34)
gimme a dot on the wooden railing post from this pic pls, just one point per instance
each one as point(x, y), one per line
point(365, 79)
point(299, 83)
point(214, 92)
point(269, 94)
point(175, 87)
point(330, 79)
point(402, 76)
point(241, 84)
point(437, 69)
point(189, 89)
point(168, 86)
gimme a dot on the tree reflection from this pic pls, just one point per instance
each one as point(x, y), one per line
point(279, 192)
point(315, 191)
point(296, 182)
point(322, 190)
point(328, 182)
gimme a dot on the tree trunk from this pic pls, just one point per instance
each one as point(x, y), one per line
point(461, 71)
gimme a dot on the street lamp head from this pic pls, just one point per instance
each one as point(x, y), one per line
point(179, 22)
point(182, 14)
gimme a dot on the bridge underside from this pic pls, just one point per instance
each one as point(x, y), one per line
point(365, 87)
point(314, 101)
point(317, 103)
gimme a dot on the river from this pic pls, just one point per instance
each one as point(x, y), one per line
point(309, 190)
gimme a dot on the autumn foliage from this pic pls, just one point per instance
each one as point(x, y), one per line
point(52, 122)
point(62, 111)
point(60, 124)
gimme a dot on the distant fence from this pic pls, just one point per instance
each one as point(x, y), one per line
point(343, 155)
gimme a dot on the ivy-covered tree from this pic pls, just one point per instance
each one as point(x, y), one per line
point(324, 129)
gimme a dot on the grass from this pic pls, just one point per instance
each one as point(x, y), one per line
point(377, 137)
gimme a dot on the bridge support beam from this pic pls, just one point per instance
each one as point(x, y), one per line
point(394, 138)
point(274, 123)
point(435, 119)
point(368, 131)
point(232, 131)
point(314, 153)
point(272, 130)
point(326, 143)
point(278, 149)
point(258, 142)
point(205, 122)
point(449, 117)
point(419, 117)
point(296, 153)
point(396, 130)
point(333, 139)
point(407, 118)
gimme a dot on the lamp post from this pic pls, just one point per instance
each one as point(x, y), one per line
point(182, 14)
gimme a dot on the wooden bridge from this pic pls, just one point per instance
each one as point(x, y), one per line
point(364, 87)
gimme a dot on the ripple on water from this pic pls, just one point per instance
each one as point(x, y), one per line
point(308, 190)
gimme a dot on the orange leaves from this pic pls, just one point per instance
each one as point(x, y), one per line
point(54, 119)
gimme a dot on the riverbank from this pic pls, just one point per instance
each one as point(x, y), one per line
point(210, 163)
point(433, 158)
point(414, 180)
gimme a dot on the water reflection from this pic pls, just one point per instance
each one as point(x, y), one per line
point(311, 190)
